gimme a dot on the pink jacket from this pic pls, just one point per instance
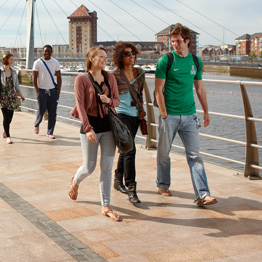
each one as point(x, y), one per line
point(85, 97)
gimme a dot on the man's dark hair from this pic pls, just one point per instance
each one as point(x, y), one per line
point(183, 31)
point(48, 46)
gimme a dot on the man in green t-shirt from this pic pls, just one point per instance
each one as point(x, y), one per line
point(175, 98)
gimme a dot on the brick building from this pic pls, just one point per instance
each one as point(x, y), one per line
point(246, 44)
point(243, 45)
point(164, 35)
point(82, 30)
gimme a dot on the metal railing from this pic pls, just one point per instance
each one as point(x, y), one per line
point(251, 164)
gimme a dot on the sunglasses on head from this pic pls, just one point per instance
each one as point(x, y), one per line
point(129, 53)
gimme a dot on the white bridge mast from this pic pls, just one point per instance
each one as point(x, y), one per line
point(30, 34)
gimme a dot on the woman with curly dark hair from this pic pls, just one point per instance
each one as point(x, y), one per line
point(130, 81)
point(9, 88)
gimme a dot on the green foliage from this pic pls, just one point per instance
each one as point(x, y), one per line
point(252, 54)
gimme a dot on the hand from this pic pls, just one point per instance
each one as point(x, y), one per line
point(91, 136)
point(163, 115)
point(206, 120)
point(23, 98)
point(104, 99)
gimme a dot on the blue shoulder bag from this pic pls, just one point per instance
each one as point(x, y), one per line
point(55, 84)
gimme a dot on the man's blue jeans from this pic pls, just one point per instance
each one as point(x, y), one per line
point(47, 100)
point(185, 125)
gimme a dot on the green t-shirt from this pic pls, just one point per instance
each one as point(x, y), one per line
point(179, 96)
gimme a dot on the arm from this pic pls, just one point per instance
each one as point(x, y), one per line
point(16, 84)
point(59, 81)
point(35, 76)
point(202, 97)
point(159, 88)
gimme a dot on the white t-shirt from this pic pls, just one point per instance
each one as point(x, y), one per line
point(44, 79)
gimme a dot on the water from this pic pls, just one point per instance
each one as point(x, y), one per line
point(222, 98)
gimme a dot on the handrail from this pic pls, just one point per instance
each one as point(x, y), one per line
point(251, 163)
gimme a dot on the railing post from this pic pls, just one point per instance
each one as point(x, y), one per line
point(150, 119)
point(251, 138)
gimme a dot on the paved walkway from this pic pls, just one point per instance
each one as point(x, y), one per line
point(39, 222)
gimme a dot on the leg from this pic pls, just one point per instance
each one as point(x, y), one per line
point(42, 106)
point(129, 166)
point(52, 108)
point(7, 119)
point(108, 146)
point(126, 162)
point(89, 150)
point(167, 131)
point(190, 137)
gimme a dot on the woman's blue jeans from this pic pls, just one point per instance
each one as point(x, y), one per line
point(185, 125)
point(90, 151)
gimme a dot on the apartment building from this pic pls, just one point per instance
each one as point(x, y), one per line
point(164, 36)
point(246, 44)
point(82, 30)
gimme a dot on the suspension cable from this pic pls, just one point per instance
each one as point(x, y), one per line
point(53, 21)
point(133, 16)
point(207, 18)
point(20, 24)
point(10, 15)
point(61, 8)
point(40, 32)
point(149, 12)
point(188, 21)
point(97, 24)
point(115, 20)
point(3, 4)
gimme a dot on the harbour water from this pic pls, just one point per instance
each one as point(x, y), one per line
point(222, 98)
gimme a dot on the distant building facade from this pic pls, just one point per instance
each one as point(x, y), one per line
point(211, 52)
point(164, 36)
point(243, 45)
point(82, 31)
point(147, 50)
point(246, 44)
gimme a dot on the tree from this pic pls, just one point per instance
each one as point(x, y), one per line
point(252, 54)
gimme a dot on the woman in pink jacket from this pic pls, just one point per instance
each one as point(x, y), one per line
point(95, 129)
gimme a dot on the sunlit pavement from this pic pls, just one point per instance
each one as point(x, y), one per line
point(39, 222)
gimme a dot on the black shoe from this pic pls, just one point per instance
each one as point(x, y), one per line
point(118, 183)
point(134, 199)
point(121, 188)
point(132, 195)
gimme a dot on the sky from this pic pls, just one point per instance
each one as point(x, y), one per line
point(217, 22)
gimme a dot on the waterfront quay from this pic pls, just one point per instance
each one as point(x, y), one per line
point(40, 223)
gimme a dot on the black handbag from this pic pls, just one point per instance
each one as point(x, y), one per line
point(120, 131)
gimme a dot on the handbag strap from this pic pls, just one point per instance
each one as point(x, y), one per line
point(48, 71)
point(133, 92)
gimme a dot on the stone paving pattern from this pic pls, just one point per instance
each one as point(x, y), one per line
point(40, 223)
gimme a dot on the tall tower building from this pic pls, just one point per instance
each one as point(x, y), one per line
point(82, 30)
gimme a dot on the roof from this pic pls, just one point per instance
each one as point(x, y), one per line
point(256, 35)
point(245, 36)
point(169, 29)
point(80, 12)
point(144, 45)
